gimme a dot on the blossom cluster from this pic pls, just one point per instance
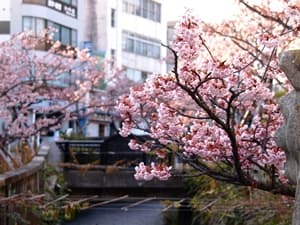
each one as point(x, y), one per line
point(218, 103)
point(158, 171)
point(40, 89)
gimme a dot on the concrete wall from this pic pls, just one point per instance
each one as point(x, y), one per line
point(92, 130)
point(118, 179)
point(142, 63)
point(5, 10)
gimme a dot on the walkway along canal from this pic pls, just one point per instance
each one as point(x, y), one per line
point(136, 211)
point(101, 167)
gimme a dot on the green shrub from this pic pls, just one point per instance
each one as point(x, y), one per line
point(217, 203)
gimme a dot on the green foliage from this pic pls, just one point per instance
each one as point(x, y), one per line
point(179, 213)
point(72, 136)
point(102, 84)
point(52, 212)
point(217, 203)
point(52, 170)
point(17, 218)
point(279, 94)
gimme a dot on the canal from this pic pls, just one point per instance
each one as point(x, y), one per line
point(148, 213)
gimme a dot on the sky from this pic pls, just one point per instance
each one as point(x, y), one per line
point(209, 10)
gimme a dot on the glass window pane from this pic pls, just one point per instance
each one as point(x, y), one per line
point(145, 9)
point(65, 36)
point(40, 25)
point(74, 38)
point(70, 2)
point(157, 12)
point(156, 52)
point(40, 2)
point(150, 51)
point(67, 1)
point(4, 27)
point(55, 26)
point(28, 24)
point(152, 10)
point(138, 47)
point(137, 7)
point(113, 18)
point(74, 2)
point(129, 45)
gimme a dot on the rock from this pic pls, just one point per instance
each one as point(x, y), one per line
point(288, 135)
point(290, 64)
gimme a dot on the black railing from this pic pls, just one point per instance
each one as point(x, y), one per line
point(91, 151)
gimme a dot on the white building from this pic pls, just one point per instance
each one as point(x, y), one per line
point(128, 31)
point(35, 15)
point(131, 33)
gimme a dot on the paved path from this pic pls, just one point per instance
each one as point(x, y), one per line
point(55, 154)
point(145, 214)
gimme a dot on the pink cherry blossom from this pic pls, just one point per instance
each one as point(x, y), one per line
point(216, 108)
point(42, 89)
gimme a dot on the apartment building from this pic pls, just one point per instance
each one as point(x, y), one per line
point(36, 15)
point(131, 32)
point(128, 31)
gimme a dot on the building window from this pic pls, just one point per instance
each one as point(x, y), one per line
point(148, 9)
point(70, 2)
point(113, 57)
point(66, 35)
point(38, 2)
point(144, 75)
point(88, 45)
point(74, 38)
point(136, 75)
point(4, 27)
point(141, 45)
point(101, 130)
point(113, 18)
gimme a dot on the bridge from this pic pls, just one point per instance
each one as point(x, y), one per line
point(109, 164)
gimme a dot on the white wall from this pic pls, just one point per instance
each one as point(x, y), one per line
point(142, 63)
point(5, 10)
point(92, 129)
point(4, 37)
point(142, 26)
point(101, 24)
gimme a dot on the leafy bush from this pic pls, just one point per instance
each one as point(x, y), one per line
point(217, 203)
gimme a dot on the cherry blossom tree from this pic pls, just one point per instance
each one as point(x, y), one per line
point(217, 108)
point(41, 89)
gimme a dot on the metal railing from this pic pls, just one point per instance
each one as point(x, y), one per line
point(89, 151)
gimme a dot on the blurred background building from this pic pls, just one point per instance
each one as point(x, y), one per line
point(127, 32)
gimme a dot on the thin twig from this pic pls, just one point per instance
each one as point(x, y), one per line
point(125, 208)
point(106, 202)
